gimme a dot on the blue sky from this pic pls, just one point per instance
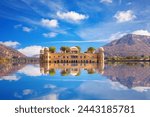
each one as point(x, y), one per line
point(29, 25)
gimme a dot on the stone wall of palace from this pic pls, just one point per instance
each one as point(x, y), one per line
point(69, 58)
point(47, 57)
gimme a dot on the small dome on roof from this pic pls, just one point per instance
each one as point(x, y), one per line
point(73, 47)
point(101, 49)
point(46, 48)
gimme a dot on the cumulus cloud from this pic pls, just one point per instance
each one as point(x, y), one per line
point(12, 44)
point(30, 70)
point(50, 35)
point(71, 16)
point(141, 32)
point(106, 1)
point(26, 29)
point(49, 23)
point(124, 16)
point(31, 50)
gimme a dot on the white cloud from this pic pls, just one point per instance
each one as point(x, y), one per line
point(26, 29)
point(141, 32)
point(50, 34)
point(12, 44)
point(117, 35)
point(124, 16)
point(31, 50)
point(30, 70)
point(49, 23)
point(71, 16)
point(106, 1)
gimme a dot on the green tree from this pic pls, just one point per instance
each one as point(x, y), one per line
point(91, 50)
point(52, 49)
point(65, 49)
point(78, 48)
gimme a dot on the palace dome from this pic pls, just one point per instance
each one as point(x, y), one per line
point(101, 49)
point(74, 49)
point(42, 51)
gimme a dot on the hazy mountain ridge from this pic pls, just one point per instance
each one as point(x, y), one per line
point(129, 45)
point(7, 52)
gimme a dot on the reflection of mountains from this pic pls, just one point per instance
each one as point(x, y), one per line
point(130, 74)
point(9, 68)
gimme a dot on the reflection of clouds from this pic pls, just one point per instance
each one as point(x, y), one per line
point(54, 92)
point(94, 86)
point(51, 96)
point(10, 78)
point(27, 92)
point(103, 90)
point(50, 86)
point(30, 70)
point(117, 86)
point(141, 89)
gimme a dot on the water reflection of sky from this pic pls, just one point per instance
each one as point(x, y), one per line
point(29, 83)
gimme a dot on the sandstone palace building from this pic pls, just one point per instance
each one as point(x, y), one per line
point(73, 56)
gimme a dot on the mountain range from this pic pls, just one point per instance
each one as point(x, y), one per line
point(7, 52)
point(129, 45)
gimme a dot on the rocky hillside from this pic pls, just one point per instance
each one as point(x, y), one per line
point(7, 52)
point(129, 45)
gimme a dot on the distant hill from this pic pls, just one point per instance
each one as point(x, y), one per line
point(7, 52)
point(129, 45)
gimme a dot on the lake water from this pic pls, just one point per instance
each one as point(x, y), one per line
point(114, 81)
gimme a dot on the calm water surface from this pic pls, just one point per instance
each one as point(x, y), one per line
point(114, 81)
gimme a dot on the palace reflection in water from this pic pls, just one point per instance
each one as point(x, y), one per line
point(71, 68)
point(75, 81)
